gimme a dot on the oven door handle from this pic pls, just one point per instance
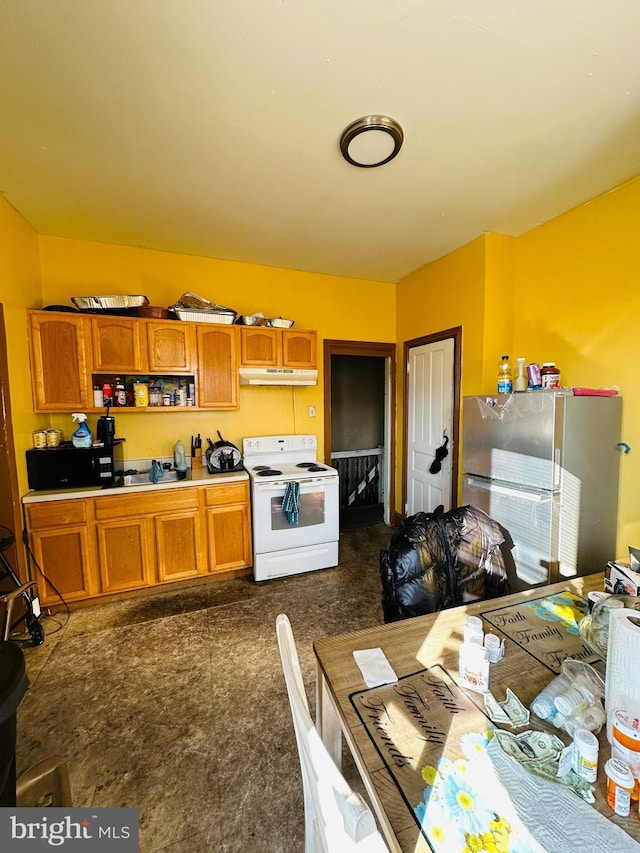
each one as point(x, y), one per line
point(280, 487)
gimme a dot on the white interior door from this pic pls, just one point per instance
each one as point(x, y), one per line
point(430, 421)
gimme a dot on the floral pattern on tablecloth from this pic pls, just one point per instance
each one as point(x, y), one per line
point(456, 816)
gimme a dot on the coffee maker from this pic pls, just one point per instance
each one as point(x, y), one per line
point(106, 428)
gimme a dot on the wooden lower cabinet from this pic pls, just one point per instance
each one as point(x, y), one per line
point(62, 543)
point(228, 526)
point(118, 543)
point(123, 555)
point(179, 551)
point(65, 558)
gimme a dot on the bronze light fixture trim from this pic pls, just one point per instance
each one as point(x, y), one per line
point(365, 124)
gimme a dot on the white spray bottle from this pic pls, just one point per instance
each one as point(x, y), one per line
point(82, 436)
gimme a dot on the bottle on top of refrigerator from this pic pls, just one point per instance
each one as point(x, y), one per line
point(550, 375)
point(520, 382)
point(505, 383)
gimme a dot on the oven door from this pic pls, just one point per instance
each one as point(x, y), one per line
point(318, 520)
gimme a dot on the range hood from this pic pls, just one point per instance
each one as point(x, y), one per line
point(277, 376)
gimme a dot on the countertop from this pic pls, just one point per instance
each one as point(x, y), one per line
point(196, 478)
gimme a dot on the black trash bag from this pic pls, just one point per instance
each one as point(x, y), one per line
point(439, 560)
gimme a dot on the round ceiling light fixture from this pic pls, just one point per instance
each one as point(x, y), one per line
point(363, 147)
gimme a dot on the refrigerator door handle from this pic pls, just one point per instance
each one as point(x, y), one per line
point(505, 490)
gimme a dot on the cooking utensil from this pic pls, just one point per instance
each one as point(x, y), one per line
point(222, 456)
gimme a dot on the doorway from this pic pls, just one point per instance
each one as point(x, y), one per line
point(431, 421)
point(359, 401)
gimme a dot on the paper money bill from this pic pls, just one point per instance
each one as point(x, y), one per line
point(539, 753)
point(511, 712)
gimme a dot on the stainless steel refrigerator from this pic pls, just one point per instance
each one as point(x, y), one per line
point(544, 465)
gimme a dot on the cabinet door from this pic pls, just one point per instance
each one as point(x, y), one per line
point(218, 380)
point(179, 551)
point(60, 362)
point(171, 347)
point(124, 554)
point(229, 538)
point(228, 526)
point(65, 554)
point(260, 346)
point(299, 349)
point(117, 344)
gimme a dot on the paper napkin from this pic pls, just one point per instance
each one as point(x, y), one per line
point(375, 667)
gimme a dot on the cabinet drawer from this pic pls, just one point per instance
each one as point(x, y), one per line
point(56, 514)
point(230, 493)
point(169, 500)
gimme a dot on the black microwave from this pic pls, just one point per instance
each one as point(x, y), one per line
point(69, 467)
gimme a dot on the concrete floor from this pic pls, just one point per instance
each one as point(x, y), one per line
point(176, 704)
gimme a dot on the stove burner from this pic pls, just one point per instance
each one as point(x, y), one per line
point(305, 464)
point(267, 472)
point(261, 468)
point(316, 468)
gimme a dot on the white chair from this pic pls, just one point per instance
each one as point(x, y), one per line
point(337, 820)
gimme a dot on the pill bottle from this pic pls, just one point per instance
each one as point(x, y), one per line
point(543, 705)
point(625, 745)
point(473, 632)
point(619, 786)
point(550, 375)
point(584, 760)
point(494, 647)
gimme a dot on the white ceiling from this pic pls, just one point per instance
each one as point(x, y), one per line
point(211, 128)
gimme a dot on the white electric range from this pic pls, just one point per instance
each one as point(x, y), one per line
point(282, 546)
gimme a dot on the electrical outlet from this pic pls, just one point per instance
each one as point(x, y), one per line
point(312, 411)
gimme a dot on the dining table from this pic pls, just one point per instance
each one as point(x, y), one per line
point(397, 737)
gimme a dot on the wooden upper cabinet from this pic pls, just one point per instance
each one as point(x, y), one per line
point(117, 345)
point(266, 347)
point(171, 347)
point(261, 346)
point(218, 380)
point(60, 361)
point(299, 349)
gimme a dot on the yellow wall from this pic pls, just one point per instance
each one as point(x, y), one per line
point(339, 308)
point(19, 290)
point(577, 289)
point(447, 293)
point(567, 291)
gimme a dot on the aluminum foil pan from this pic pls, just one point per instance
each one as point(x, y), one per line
point(106, 303)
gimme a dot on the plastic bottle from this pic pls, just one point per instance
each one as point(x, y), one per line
point(619, 786)
point(543, 705)
point(473, 632)
point(120, 393)
point(550, 375)
point(82, 436)
point(584, 760)
point(505, 383)
point(521, 381)
point(179, 456)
